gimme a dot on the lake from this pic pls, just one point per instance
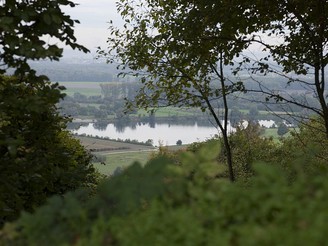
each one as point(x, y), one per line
point(160, 133)
point(166, 134)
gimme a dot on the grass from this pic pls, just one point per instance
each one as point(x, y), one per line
point(273, 132)
point(122, 160)
point(96, 143)
point(84, 91)
point(122, 154)
point(264, 112)
point(171, 111)
point(125, 159)
point(118, 157)
point(85, 88)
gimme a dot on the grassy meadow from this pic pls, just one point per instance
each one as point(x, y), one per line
point(120, 154)
point(122, 160)
point(85, 88)
point(99, 144)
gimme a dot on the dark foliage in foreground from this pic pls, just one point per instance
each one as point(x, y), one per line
point(186, 201)
point(38, 157)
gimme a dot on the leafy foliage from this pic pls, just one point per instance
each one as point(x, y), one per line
point(305, 150)
point(175, 47)
point(176, 67)
point(186, 204)
point(38, 159)
point(177, 64)
point(23, 27)
point(248, 147)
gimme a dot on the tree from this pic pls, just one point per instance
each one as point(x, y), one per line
point(294, 37)
point(192, 201)
point(176, 62)
point(253, 113)
point(23, 26)
point(282, 129)
point(38, 158)
point(235, 117)
point(290, 35)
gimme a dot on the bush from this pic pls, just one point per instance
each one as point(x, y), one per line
point(306, 147)
point(186, 204)
point(282, 129)
point(247, 147)
point(38, 157)
point(98, 158)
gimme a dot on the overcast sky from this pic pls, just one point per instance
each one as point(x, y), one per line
point(94, 16)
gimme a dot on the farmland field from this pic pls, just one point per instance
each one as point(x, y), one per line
point(118, 154)
point(127, 158)
point(273, 132)
point(121, 160)
point(93, 89)
point(122, 154)
point(99, 144)
point(85, 88)
point(171, 111)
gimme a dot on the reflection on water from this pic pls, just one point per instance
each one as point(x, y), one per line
point(267, 123)
point(164, 133)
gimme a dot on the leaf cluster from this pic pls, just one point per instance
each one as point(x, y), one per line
point(24, 26)
point(176, 47)
point(175, 61)
point(165, 203)
point(38, 157)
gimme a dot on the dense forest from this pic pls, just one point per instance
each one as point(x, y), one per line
point(238, 188)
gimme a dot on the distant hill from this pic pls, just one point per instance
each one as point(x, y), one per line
point(77, 71)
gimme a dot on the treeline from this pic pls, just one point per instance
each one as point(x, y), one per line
point(110, 105)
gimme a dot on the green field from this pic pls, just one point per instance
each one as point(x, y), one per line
point(93, 89)
point(85, 88)
point(126, 158)
point(98, 144)
point(119, 157)
point(171, 111)
point(121, 154)
point(123, 160)
point(273, 132)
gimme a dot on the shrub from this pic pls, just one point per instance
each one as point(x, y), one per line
point(38, 157)
point(282, 129)
point(185, 204)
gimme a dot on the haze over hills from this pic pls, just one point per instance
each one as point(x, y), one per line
point(79, 67)
point(76, 66)
point(84, 68)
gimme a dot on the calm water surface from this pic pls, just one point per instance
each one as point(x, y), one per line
point(166, 134)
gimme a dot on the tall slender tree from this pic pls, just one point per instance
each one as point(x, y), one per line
point(179, 49)
point(166, 45)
